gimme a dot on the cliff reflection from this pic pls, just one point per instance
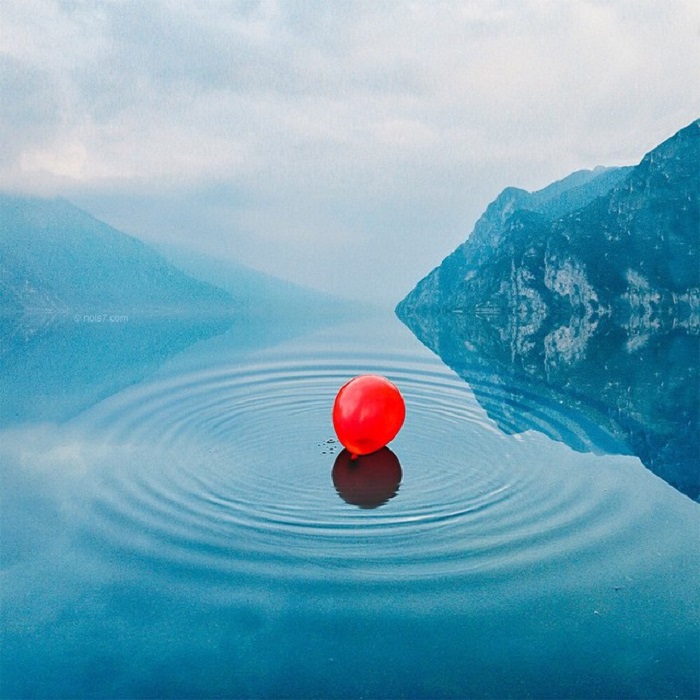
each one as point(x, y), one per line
point(614, 391)
point(52, 367)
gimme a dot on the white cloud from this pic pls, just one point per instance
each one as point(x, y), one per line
point(333, 119)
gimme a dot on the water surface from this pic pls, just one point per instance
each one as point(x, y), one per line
point(179, 533)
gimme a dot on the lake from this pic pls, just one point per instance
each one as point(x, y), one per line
point(178, 521)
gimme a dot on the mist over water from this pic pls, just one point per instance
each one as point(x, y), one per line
point(190, 534)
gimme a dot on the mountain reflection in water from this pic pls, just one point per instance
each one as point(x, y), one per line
point(614, 392)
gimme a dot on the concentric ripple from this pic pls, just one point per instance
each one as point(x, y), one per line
point(219, 472)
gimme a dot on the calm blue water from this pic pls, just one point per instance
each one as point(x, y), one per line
point(171, 528)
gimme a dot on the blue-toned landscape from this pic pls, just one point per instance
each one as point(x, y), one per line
point(226, 213)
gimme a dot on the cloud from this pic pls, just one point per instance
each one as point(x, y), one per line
point(344, 128)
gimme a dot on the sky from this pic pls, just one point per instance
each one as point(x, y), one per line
point(345, 145)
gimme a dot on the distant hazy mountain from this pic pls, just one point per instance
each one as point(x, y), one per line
point(589, 289)
point(256, 293)
point(56, 258)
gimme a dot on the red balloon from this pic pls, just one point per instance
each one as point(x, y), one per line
point(368, 413)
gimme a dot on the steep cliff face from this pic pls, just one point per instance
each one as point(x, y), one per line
point(589, 288)
point(619, 243)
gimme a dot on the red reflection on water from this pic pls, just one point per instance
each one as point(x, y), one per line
point(367, 481)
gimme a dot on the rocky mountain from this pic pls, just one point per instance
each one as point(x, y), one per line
point(589, 289)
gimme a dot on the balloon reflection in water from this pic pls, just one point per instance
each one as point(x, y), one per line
point(367, 481)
